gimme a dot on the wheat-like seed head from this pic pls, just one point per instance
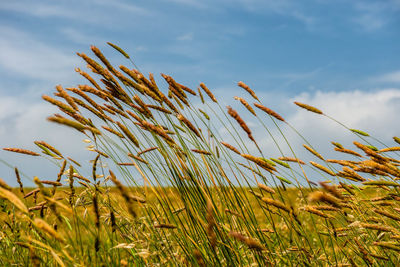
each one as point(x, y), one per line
point(308, 107)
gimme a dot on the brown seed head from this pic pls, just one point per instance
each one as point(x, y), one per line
point(51, 148)
point(260, 162)
point(247, 88)
point(246, 105)
point(119, 49)
point(231, 148)
point(315, 153)
point(309, 108)
point(266, 188)
point(128, 133)
point(22, 151)
point(208, 92)
point(269, 112)
point(233, 113)
point(59, 104)
point(276, 204)
point(189, 124)
point(322, 168)
point(291, 160)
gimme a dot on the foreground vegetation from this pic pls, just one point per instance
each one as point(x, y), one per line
point(177, 179)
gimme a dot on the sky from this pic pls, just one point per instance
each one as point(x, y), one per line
point(341, 56)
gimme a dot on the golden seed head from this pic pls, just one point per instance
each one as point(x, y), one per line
point(247, 88)
point(269, 111)
point(308, 107)
point(22, 151)
point(208, 92)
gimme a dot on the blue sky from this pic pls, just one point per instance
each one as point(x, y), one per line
point(332, 53)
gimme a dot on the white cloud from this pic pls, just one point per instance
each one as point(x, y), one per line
point(286, 8)
point(370, 22)
point(73, 9)
point(374, 112)
point(37, 9)
point(126, 6)
point(389, 77)
point(21, 53)
point(373, 16)
point(193, 3)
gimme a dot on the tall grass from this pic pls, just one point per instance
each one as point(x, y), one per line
point(177, 179)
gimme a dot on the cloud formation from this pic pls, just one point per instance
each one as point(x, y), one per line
point(374, 112)
point(391, 77)
point(32, 58)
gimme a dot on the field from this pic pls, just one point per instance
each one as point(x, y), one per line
point(177, 180)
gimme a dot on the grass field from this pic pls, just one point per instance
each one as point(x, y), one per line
point(167, 188)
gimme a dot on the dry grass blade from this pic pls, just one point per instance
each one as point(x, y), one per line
point(316, 212)
point(6, 194)
point(269, 112)
point(322, 168)
point(318, 196)
point(382, 183)
point(234, 149)
point(308, 107)
point(61, 105)
point(146, 150)
point(276, 204)
point(51, 148)
point(247, 88)
point(251, 243)
point(388, 245)
point(128, 133)
point(208, 92)
point(246, 105)
point(233, 113)
point(119, 49)
point(21, 151)
point(73, 124)
point(189, 124)
point(62, 93)
point(266, 188)
point(21, 186)
point(203, 152)
point(292, 160)
point(165, 226)
point(315, 153)
point(44, 226)
point(4, 185)
point(260, 162)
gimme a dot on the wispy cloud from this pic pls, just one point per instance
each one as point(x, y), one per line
point(32, 58)
point(287, 8)
point(371, 21)
point(37, 9)
point(373, 112)
point(374, 15)
point(100, 10)
point(186, 37)
point(391, 77)
point(192, 3)
point(81, 37)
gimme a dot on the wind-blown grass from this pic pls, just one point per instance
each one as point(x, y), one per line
point(166, 188)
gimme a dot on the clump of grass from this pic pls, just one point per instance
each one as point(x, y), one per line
point(177, 192)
